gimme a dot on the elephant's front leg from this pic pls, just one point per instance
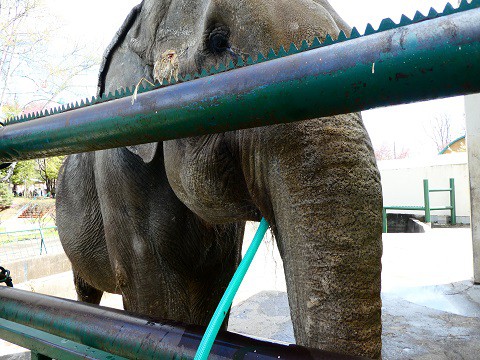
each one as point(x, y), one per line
point(184, 283)
point(167, 262)
point(148, 286)
point(333, 280)
point(326, 204)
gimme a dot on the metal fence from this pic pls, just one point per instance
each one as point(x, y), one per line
point(423, 60)
point(30, 232)
point(426, 207)
point(23, 244)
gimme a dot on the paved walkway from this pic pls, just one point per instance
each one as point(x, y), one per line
point(431, 309)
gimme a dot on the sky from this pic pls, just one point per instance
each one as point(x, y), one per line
point(404, 127)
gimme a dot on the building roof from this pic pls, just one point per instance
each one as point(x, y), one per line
point(453, 146)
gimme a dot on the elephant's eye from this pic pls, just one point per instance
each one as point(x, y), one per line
point(217, 40)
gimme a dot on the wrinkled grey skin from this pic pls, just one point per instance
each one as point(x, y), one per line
point(162, 224)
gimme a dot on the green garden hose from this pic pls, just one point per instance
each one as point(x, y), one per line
point(227, 298)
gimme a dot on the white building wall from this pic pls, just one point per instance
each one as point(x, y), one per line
point(402, 182)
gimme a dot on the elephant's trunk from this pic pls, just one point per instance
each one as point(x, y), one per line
point(324, 203)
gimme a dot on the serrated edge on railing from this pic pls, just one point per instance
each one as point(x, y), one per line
point(385, 24)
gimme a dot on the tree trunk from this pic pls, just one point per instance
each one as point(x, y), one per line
point(48, 184)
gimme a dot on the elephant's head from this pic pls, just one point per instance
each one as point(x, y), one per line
point(316, 181)
point(208, 33)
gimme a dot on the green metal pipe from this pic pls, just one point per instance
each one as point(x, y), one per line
point(135, 337)
point(426, 198)
point(453, 212)
point(27, 230)
point(404, 207)
point(384, 221)
point(227, 298)
point(42, 241)
point(47, 346)
point(426, 60)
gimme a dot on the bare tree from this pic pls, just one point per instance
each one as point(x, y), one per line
point(17, 40)
point(440, 131)
point(403, 154)
point(386, 152)
point(383, 152)
point(31, 68)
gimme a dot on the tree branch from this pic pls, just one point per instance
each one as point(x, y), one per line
point(9, 172)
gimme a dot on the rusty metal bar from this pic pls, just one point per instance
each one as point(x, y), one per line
point(426, 60)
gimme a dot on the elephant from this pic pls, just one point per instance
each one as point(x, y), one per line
point(162, 223)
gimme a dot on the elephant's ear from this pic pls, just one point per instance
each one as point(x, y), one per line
point(145, 151)
point(113, 66)
point(111, 49)
point(342, 25)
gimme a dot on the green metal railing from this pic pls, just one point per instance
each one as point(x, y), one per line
point(426, 207)
point(421, 61)
point(45, 346)
point(43, 246)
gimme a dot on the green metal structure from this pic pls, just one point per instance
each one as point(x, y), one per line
point(45, 346)
point(410, 61)
point(426, 207)
point(43, 247)
point(66, 329)
point(444, 150)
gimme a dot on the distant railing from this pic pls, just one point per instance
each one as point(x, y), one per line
point(21, 244)
point(426, 207)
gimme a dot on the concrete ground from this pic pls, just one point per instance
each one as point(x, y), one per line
point(431, 309)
